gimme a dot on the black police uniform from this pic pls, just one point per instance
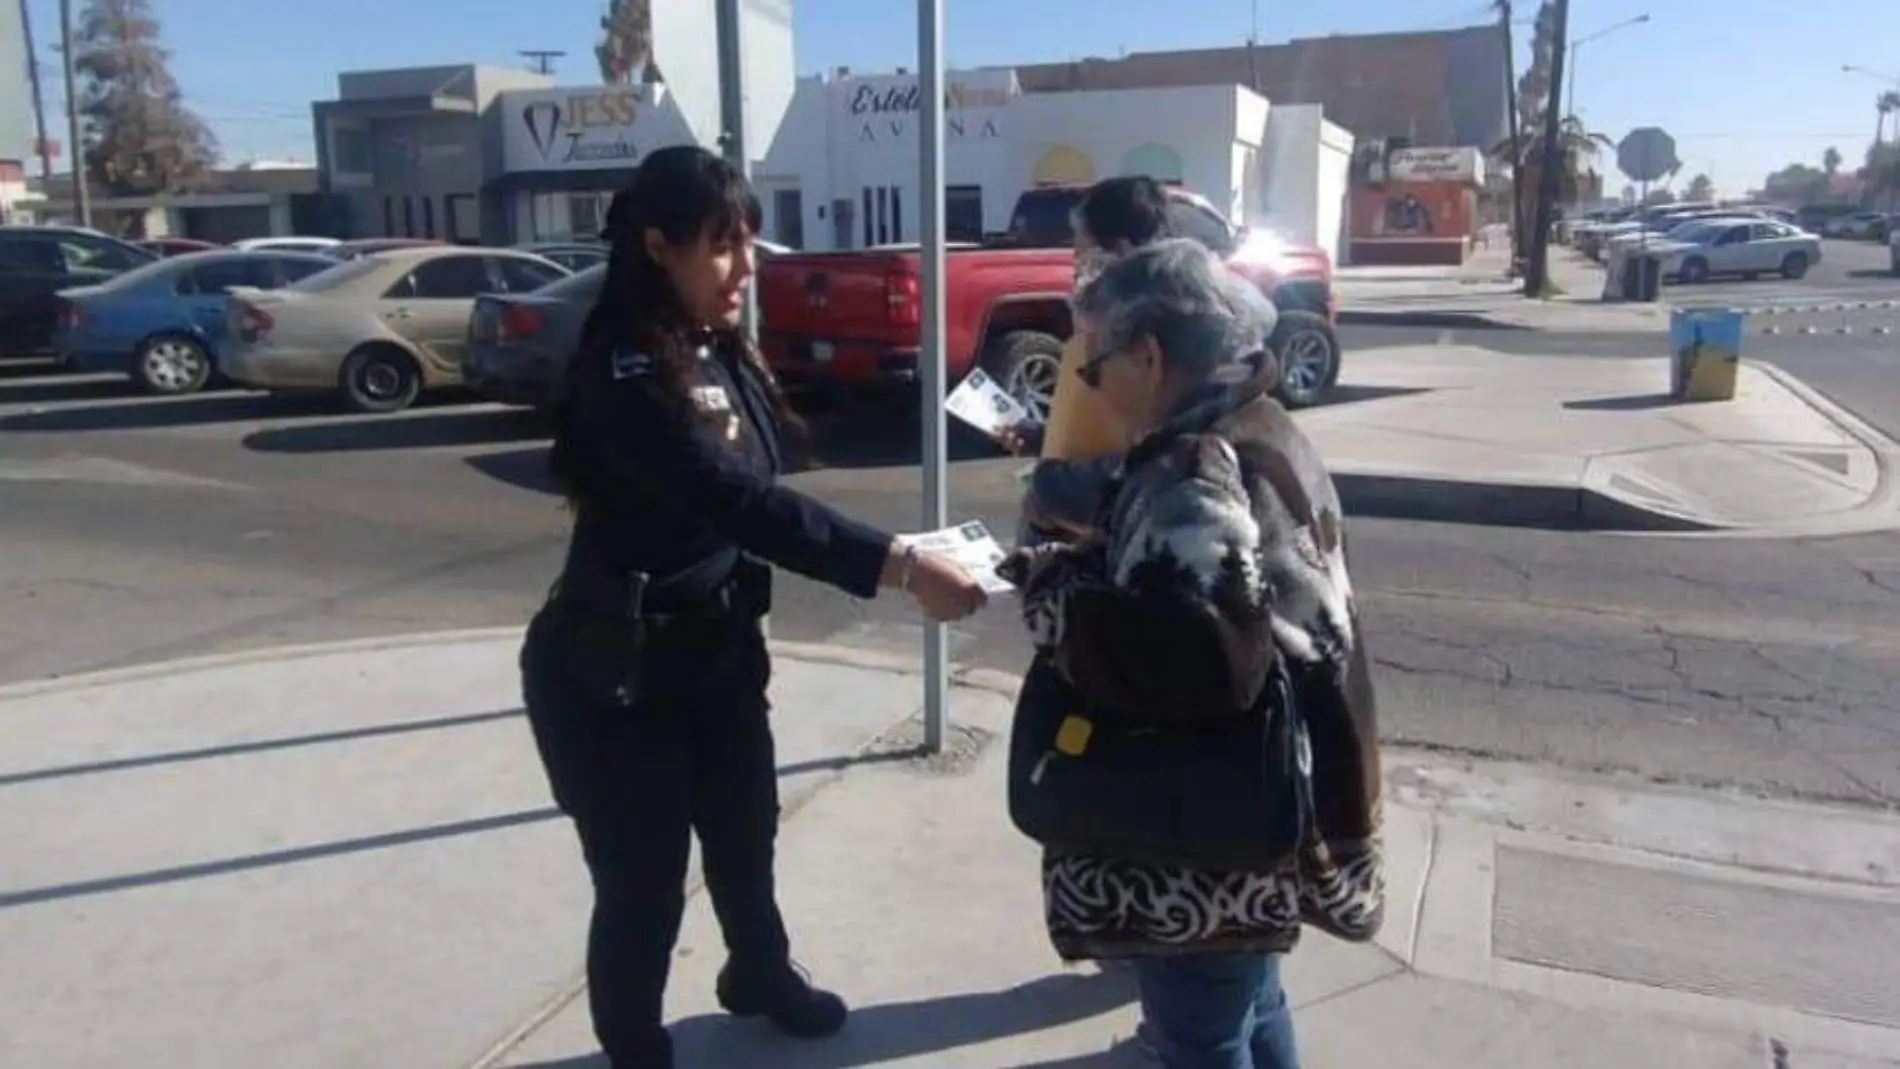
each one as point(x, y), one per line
point(645, 679)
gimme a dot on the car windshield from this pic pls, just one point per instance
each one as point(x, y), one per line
point(331, 277)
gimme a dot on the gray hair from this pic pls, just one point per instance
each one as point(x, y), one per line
point(1208, 322)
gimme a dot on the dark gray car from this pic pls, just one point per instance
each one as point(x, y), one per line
point(518, 343)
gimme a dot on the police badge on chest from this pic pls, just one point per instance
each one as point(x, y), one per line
point(714, 405)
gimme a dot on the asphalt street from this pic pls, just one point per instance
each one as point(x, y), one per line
point(139, 529)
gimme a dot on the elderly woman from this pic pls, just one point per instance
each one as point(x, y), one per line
point(1209, 779)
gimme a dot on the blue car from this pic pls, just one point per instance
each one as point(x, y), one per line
point(160, 323)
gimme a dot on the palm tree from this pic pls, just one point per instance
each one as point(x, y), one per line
point(1885, 104)
point(1831, 161)
point(1577, 147)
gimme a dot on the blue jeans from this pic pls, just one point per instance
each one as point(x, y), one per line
point(1217, 1011)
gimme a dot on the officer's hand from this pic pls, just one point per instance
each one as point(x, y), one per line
point(943, 589)
point(1015, 438)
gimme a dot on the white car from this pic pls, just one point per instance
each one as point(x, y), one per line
point(1858, 225)
point(286, 244)
point(1661, 228)
point(1746, 247)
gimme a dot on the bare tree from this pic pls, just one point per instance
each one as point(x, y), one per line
point(140, 136)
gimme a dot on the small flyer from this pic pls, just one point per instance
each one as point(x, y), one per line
point(972, 546)
point(982, 403)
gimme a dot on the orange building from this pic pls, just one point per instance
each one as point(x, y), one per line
point(1416, 206)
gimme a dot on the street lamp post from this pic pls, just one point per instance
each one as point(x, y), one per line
point(1570, 94)
point(930, 358)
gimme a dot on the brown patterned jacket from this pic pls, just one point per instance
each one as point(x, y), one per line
point(1228, 504)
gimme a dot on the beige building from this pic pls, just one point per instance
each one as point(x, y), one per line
point(1440, 88)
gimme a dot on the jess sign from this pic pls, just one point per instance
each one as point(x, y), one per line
point(584, 129)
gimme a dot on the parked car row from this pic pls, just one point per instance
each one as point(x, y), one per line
point(1697, 243)
point(852, 320)
point(380, 322)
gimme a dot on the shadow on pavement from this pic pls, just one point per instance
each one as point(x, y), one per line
point(257, 746)
point(268, 859)
point(524, 469)
point(893, 1031)
point(1124, 1055)
point(1406, 317)
point(153, 412)
point(1873, 272)
point(1634, 403)
point(405, 431)
point(38, 391)
point(1352, 395)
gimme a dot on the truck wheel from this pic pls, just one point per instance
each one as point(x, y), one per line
point(1027, 364)
point(1308, 352)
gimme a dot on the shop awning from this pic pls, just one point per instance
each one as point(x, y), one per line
point(592, 180)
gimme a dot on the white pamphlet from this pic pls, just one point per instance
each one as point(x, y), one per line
point(979, 401)
point(970, 545)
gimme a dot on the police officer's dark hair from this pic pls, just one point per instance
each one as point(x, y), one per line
point(683, 192)
point(1131, 208)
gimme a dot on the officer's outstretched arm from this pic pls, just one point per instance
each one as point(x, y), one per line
point(653, 445)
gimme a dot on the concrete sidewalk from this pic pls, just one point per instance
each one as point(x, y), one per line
point(1464, 434)
point(1478, 294)
point(344, 856)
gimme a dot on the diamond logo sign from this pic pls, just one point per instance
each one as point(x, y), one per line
point(543, 121)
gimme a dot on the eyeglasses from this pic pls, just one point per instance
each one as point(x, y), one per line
point(1090, 370)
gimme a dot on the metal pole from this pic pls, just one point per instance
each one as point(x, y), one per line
point(1570, 94)
point(732, 138)
point(43, 147)
point(930, 257)
point(76, 149)
point(732, 144)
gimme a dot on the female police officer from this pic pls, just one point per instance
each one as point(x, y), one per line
point(645, 674)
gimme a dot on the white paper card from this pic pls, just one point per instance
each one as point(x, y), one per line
point(979, 401)
point(970, 545)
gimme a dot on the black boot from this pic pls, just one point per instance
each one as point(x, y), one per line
point(782, 995)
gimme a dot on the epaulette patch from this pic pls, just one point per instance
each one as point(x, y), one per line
point(628, 364)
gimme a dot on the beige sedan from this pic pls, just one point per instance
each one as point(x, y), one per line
point(379, 330)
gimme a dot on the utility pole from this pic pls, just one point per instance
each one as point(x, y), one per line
point(43, 146)
point(75, 148)
point(1505, 11)
point(1549, 181)
point(541, 60)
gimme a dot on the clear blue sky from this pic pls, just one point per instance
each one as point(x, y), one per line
point(1745, 85)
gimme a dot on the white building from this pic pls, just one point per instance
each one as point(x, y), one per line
point(564, 151)
point(842, 172)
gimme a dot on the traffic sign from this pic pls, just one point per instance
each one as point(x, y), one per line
point(1647, 154)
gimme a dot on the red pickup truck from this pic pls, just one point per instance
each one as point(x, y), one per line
point(853, 319)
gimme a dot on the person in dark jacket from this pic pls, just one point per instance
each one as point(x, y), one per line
point(645, 674)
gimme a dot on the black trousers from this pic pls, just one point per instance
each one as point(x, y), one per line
point(693, 754)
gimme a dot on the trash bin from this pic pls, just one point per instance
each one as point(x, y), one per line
point(1705, 350)
point(1642, 278)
